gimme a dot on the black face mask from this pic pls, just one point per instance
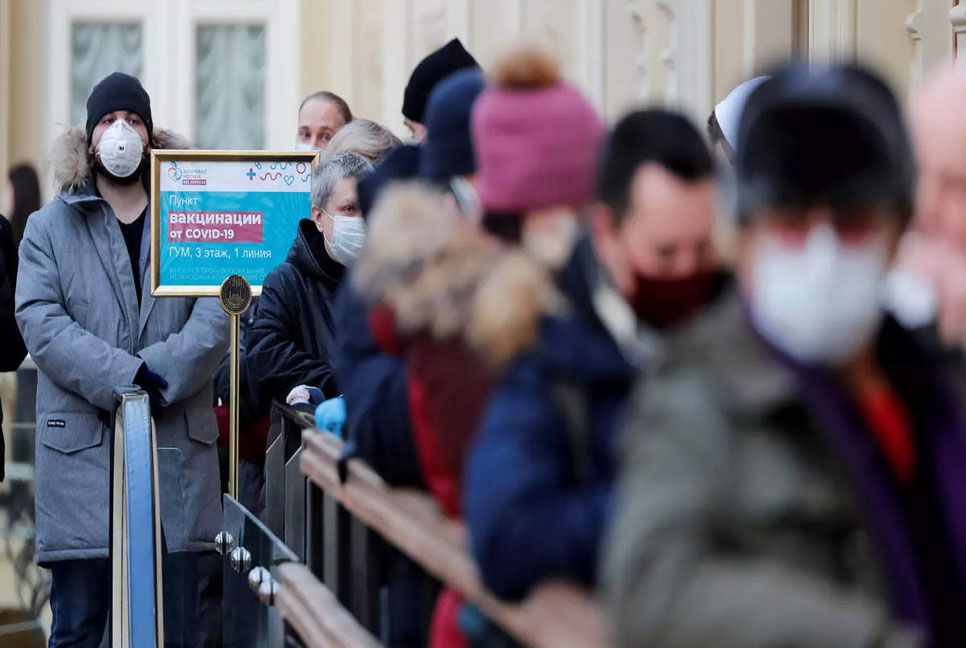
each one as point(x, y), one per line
point(666, 303)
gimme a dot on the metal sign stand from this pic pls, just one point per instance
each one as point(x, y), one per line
point(235, 297)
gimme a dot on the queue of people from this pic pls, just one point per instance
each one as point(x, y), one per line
point(531, 316)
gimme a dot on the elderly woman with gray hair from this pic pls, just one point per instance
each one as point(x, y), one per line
point(364, 137)
point(291, 341)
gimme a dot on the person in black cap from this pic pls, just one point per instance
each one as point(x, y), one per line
point(431, 70)
point(795, 472)
point(92, 326)
point(447, 158)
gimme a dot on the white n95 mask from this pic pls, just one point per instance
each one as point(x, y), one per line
point(120, 149)
point(305, 146)
point(348, 236)
point(822, 302)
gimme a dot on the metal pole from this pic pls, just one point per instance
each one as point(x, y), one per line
point(233, 407)
point(235, 296)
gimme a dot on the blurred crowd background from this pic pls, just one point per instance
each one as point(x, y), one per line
point(232, 74)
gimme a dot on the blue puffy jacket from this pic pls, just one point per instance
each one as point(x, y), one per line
point(538, 488)
point(374, 386)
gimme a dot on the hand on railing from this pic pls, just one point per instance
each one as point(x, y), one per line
point(153, 384)
point(304, 394)
point(330, 416)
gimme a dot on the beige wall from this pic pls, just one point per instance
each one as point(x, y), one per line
point(902, 39)
point(620, 52)
point(750, 37)
point(27, 90)
point(22, 88)
point(4, 89)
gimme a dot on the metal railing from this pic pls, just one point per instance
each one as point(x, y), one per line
point(137, 600)
point(354, 530)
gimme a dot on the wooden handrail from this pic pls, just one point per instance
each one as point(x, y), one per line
point(315, 613)
point(554, 615)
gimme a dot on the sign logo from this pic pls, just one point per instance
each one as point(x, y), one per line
point(186, 176)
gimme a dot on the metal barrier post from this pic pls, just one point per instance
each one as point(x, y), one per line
point(137, 604)
point(235, 296)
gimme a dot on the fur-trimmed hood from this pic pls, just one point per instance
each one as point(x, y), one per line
point(439, 275)
point(69, 160)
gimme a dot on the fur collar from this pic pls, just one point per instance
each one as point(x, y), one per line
point(440, 276)
point(68, 156)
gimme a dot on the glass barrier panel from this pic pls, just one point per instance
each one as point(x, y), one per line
point(249, 617)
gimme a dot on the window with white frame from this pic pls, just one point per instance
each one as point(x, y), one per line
point(224, 73)
point(230, 86)
point(96, 50)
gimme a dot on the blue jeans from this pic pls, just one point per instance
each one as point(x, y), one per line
point(80, 600)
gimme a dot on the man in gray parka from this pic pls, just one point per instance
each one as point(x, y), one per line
point(84, 306)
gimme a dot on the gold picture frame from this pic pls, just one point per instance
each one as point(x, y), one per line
point(194, 156)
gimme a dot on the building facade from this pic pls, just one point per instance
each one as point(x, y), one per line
point(230, 73)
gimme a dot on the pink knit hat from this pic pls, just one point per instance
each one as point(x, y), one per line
point(536, 139)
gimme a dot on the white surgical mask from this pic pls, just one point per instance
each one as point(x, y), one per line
point(348, 235)
point(820, 303)
point(120, 149)
point(305, 146)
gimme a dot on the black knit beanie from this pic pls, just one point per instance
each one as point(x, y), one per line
point(402, 163)
point(431, 70)
point(118, 91)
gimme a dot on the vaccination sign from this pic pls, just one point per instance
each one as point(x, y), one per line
point(220, 213)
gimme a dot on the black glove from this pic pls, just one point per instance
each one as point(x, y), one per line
point(153, 384)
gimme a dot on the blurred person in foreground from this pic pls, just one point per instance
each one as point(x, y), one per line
point(430, 315)
point(320, 117)
point(365, 138)
point(89, 320)
point(435, 67)
point(935, 251)
point(12, 350)
point(292, 339)
point(548, 432)
point(22, 199)
point(374, 381)
point(795, 470)
point(413, 388)
point(409, 277)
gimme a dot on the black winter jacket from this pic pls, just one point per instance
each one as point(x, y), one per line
point(12, 349)
point(292, 340)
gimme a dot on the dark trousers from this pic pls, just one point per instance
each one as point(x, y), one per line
point(80, 600)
